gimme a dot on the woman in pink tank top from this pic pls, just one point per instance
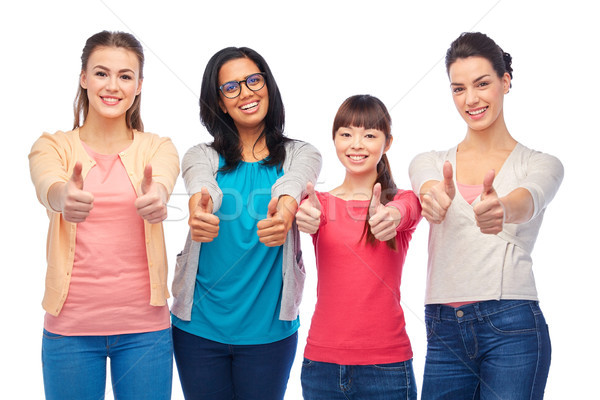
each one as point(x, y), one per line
point(105, 185)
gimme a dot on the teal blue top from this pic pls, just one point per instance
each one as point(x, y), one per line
point(237, 296)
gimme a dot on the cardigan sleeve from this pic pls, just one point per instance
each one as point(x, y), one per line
point(199, 169)
point(165, 163)
point(48, 164)
point(302, 165)
point(544, 175)
point(425, 167)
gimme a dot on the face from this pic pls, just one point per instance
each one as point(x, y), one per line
point(112, 81)
point(478, 92)
point(249, 109)
point(360, 149)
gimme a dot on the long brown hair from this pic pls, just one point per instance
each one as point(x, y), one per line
point(81, 104)
point(368, 112)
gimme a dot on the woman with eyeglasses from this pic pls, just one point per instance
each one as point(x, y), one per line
point(485, 199)
point(238, 281)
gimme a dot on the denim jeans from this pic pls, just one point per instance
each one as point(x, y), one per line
point(326, 381)
point(141, 366)
point(489, 350)
point(214, 371)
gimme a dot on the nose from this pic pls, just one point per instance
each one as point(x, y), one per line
point(357, 142)
point(244, 90)
point(472, 97)
point(111, 84)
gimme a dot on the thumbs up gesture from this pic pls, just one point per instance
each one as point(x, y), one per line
point(436, 201)
point(383, 220)
point(75, 203)
point(272, 231)
point(204, 225)
point(489, 212)
point(308, 216)
point(152, 204)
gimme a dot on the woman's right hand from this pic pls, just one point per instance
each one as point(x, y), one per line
point(204, 225)
point(70, 199)
point(308, 217)
point(438, 197)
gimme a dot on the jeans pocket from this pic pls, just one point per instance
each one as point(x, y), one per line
point(516, 320)
point(307, 363)
point(429, 327)
point(51, 336)
point(397, 366)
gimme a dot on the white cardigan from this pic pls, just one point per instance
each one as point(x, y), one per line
point(467, 265)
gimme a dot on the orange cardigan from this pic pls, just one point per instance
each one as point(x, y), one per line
point(52, 159)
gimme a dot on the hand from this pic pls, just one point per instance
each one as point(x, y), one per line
point(272, 231)
point(204, 225)
point(308, 217)
point(383, 220)
point(152, 204)
point(489, 212)
point(437, 200)
point(75, 203)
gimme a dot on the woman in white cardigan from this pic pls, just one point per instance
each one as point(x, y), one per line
point(485, 199)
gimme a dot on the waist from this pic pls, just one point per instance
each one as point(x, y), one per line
point(476, 310)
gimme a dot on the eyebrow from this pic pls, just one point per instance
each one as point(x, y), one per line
point(108, 69)
point(474, 81)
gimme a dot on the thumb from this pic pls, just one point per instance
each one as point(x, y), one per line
point(488, 182)
point(448, 180)
point(147, 181)
point(375, 199)
point(204, 200)
point(272, 208)
point(77, 178)
point(312, 196)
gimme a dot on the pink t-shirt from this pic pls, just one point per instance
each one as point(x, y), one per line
point(358, 318)
point(110, 285)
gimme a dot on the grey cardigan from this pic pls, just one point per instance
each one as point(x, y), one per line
point(199, 168)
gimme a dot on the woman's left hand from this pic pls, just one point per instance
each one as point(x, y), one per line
point(489, 212)
point(384, 220)
point(272, 231)
point(152, 204)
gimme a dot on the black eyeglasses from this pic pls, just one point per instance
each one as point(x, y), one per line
point(232, 89)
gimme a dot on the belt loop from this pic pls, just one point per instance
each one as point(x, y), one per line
point(478, 312)
point(438, 312)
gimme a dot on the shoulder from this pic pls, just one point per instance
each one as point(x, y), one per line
point(534, 159)
point(294, 145)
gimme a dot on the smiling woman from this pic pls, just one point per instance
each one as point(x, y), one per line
point(105, 185)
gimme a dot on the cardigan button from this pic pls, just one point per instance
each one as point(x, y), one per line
point(460, 313)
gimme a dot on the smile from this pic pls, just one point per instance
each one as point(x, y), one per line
point(249, 105)
point(478, 111)
point(357, 158)
point(110, 100)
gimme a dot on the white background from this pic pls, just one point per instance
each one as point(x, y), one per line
point(320, 53)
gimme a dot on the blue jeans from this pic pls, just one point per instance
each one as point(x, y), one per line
point(489, 350)
point(326, 381)
point(215, 371)
point(141, 366)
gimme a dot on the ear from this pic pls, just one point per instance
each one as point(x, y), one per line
point(139, 88)
point(83, 80)
point(389, 144)
point(506, 82)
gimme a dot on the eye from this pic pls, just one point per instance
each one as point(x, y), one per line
point(230, 87)
point(126, 77)
point(255, 80)
point(370, 136)
point(100, 73)
point(344, 134)
point(457, 90)
point(483, 84)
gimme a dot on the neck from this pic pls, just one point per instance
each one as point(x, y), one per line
point(356, 187)
point(251, 149)
point(105, 135)
point(495, 136)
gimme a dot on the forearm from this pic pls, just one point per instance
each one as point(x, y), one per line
point(518, 206)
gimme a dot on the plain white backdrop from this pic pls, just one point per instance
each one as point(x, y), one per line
point(320, 53)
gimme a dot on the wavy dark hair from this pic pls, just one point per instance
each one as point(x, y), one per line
point(368, 112)
point(222, 127)
point(471, 44)
point(81, 105)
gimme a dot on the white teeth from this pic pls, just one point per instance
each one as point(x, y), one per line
point(357, 158)
point(477, 112)
point(110, 100)
point(249, 105)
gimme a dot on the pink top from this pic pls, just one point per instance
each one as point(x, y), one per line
point(358, 318)
point(110, 283)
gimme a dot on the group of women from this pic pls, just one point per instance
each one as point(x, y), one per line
point(238, 282)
